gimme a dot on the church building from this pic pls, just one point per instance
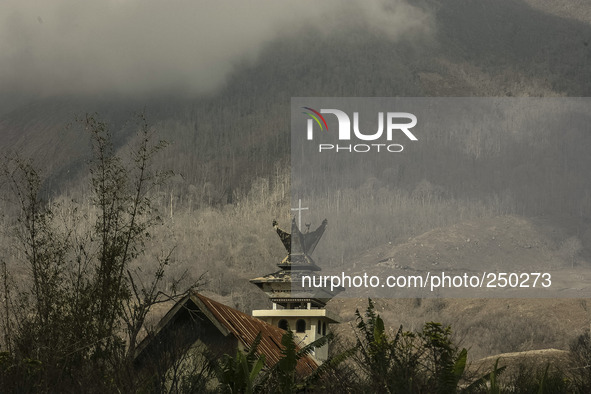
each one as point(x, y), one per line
point(198, 322)
point(295, 308)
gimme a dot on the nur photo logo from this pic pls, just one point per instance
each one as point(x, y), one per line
point(390, 125)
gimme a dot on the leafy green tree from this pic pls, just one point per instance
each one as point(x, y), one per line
point(241, 374)
point(426, 361)
point(390, 365)
point(283, 375)
point(444, 361)
point(246, 372)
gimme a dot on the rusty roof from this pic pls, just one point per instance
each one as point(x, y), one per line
point(230, 321)
point(246, 328)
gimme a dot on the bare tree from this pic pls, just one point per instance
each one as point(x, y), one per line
point(81, 310)
point(570, 249)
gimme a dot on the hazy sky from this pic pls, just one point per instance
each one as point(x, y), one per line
point(140, 46)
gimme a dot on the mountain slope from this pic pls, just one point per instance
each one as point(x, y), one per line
point(241, 131)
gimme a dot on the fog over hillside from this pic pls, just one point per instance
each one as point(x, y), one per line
point(134, 48)
point(138, 47)
point(504, 48)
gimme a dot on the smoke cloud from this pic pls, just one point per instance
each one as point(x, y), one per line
point(144, 46)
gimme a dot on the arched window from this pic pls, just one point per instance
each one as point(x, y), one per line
point(301, 325)
point(283, 324)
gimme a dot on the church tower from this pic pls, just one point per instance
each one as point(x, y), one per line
point(301, 310)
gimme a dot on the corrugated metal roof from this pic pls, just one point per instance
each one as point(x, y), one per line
point(246, 328)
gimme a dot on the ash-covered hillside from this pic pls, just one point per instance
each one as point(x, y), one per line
point(240, 132)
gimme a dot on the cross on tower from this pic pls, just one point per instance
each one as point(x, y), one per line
point(299, 209)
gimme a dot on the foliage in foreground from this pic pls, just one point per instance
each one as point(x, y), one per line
point(426, 361)
point(410, 362)
point(71, 322)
